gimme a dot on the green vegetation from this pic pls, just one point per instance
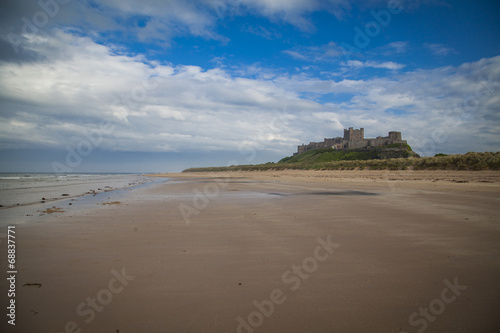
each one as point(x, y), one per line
point(329, 155)
point(325, 159)
point(398, 145)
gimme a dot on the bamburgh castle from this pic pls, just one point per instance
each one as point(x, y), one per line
point(353, 139)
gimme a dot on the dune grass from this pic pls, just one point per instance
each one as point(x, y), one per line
point(471, 161)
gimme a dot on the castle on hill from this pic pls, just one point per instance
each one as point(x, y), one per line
point(353, 139)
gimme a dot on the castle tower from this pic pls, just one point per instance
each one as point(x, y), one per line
point(395, 136)
point(354, 135)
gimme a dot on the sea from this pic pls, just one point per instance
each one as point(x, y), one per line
point(24, 195)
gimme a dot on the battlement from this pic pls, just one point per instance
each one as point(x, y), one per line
point(353, 139)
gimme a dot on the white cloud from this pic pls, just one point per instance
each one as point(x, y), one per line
point(439, 49)
point(328, 52)
point(374, 64)
point(293, 11)
point(391, 49)
point(160, 21)
point(88, 84)
point(262, 32)
point(296, 55)
point(331, 52)
point(161, 107)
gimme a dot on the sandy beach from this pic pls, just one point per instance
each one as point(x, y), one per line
point(291, 251)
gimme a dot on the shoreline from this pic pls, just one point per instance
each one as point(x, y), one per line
point(52, 187)
point(32, 211)
point(245, 252)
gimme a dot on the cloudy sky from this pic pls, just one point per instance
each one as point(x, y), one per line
point(154, 86)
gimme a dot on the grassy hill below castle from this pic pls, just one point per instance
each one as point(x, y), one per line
point(329, 159)
point(330, 155)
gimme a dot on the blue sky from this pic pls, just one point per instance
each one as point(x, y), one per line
point(128, 86)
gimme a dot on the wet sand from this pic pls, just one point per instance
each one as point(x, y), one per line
point(270, 252)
